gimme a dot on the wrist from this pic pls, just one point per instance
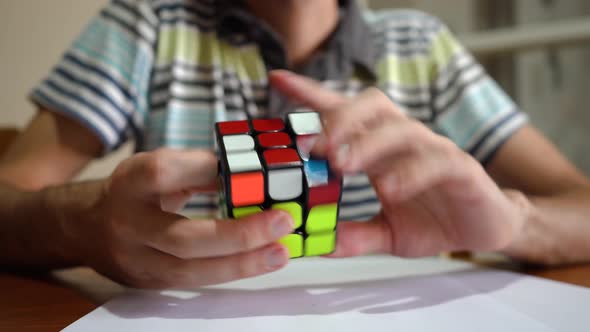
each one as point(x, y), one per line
point(73, 208)
point(521, 247)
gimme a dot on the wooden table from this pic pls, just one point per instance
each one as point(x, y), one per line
point(52, 302)
point(38, 304)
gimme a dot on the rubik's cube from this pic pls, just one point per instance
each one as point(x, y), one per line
point(266, 164)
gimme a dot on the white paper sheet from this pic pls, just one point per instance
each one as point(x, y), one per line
point(362, 294)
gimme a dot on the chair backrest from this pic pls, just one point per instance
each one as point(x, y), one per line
point(7, 135)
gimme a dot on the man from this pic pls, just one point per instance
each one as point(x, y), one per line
point(434, 154)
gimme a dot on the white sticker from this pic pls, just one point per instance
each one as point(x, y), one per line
point(305, 123)
point(243, 161)
point(285, 184)
point(236, 143)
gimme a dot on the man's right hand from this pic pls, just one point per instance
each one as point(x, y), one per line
point(127, 235)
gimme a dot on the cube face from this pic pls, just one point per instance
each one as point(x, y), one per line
point(266, 164)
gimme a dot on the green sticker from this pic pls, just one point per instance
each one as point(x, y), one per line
point(320, 244)
point(293, 242)
point(321, 219)
point(294, 209)
point(246, 211)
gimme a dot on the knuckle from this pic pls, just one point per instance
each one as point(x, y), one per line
point(416, 135)
point(181, 251)
point(244, 237)
point(118, 178)
point(177, 240)
point(163, 274)
point(420, 129)
point(434, 142)
point(448, 148)
point(403, 180)
point(120, 258)
point(208, 158)
point(181, 245)
point(385, 104)
point(155, 167)
point(376, 93)
point(118, 229)
point(389, 192)
point(127, 166)
point(244, 267)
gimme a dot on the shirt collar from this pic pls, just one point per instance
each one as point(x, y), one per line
point(348, 49)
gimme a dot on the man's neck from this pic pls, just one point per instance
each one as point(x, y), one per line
point(303, 25)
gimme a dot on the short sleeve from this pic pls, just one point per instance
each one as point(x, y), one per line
point(102, 80)
point(469, 107)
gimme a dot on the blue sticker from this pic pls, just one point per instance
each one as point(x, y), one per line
point(316, 171)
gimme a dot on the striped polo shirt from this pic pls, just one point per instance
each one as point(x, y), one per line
point(162, 72)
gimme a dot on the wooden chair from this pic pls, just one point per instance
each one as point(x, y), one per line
point(7, 135)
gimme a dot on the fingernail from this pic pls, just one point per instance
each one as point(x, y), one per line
point(275, 258)
point(321, 141)
point(342, 155)
point(319, 147)
point(305, 144)
point(283, 225)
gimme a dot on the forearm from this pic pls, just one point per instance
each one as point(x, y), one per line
point(557, 230)
point(33, 225)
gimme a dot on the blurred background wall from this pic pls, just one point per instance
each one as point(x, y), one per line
point(551, 84)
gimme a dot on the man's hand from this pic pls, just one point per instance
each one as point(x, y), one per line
point(128, 236)
point(434, 196)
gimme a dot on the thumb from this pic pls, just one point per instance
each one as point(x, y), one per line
point(360, 238)
point(167, 171)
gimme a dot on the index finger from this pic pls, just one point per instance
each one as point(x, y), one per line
point(190, 239)
point(167, 171)
point(305, 91)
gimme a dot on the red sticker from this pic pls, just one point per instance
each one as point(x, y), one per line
point(329, 193)
point(282, 157)
point(266, 125)
point(271, 140)
point(233, 127)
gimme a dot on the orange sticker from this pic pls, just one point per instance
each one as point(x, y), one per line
point(247, 189)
